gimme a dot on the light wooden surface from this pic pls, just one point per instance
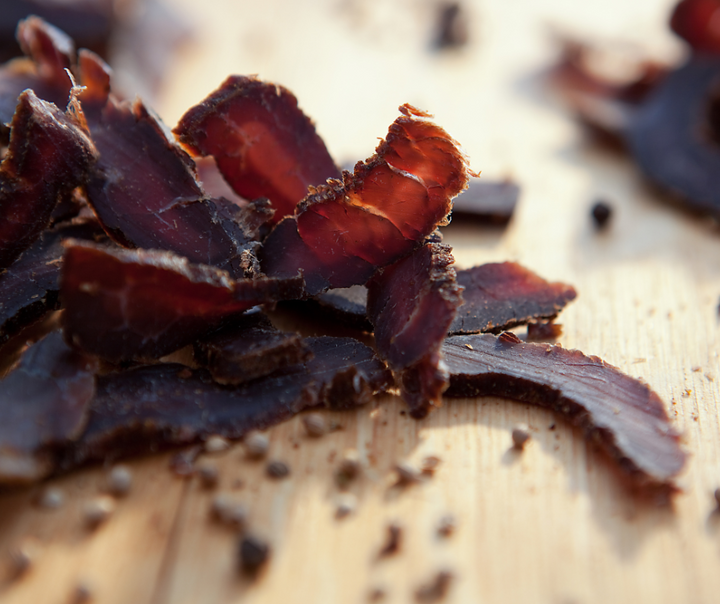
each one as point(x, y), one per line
point(553, 525)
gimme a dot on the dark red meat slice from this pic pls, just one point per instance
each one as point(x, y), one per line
point(44, 402)
point(125, 304)
point(675, 137)
point(543, 331)
point(499, 296)
point(695, 21)
point(248, 349)
point(48, 156)
point(412, 304)
point(31, 286)
point(607, 106)
point(263, 144)
point(160, 405)
point(50, 52)
point(624, 415)
point(487, 202)
point(346, 305)
point(345, 230)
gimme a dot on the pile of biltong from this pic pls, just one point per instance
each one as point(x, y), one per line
point(104, 217)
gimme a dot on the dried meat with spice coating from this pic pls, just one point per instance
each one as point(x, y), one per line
point(622, 414)
point(48, 156)
point(344, 231)
point(133, 304)
point(411, 305)
point(262, 142)
point(44, 403)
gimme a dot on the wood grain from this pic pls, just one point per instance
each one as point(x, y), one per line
point(553, 524)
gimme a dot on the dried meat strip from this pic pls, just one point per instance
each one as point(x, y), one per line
point(44, 403)
point(125, 304)
point(248, 349)
point(30, 287)
point(412, 304)
point(499, 296)
point(344, 305)
point(487, 202)
point(675, 135)
point(624, 415)
point(49, 53)
point(168, 404)
point(345, 230)
point(49, 155)
point(263, 143)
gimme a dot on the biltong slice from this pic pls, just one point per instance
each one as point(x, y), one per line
point(249, 348)
point(624, 415)
point(263, 143)
point(487, 202)
point(48, 156)
point(345, 230)
point(127, 304)
point(412, 304)
point(156, 406)
point(49, 52)
point(499, 296)
point(44, 403)
point(346, 306)
point(30, 287)
point(674, 136)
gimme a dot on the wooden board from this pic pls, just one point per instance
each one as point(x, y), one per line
point(553, 525)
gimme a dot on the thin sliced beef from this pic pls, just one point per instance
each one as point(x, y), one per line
point(499, 296)
point(264, 145)
point(44, 403)
point(345, 230)
point(152, 407)
point(30, 287)
point(411, 304)
point(248, 349)
point(624, 415)
point(487, 202)
point(125, 304)
point(49, 155)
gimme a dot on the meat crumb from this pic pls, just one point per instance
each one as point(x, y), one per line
point(520, 436)
point(209, 475)
point(429, 465)
point(446, 526)
point(256, 445)
point(406, 474)
point(376, 594)
point(717, 497)
point(229, 511)
point(393, 542)
point(98, 510)
point(51, 498)
point(254, 553)
point(277, 469)
point(601, 213)
point(21, 559)
point(437, 590)
point(349, 468)
point(119, 481)
point(314, 425)
point(216, 444)
point(82, 593)
point(346, 505)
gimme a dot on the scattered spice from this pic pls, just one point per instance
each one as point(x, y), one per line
point(446, 526)
point(393, 542)
point(277, 469)
point(209, 475)
point(254, 553)
point(98, 510)
point(601, 213)
point(346, 505)
point(437, 590)
point(376, 594)
point(216, 444)
point(406, 474)
point(51, 498)
point(256, 445)
point(349, 468)
point(520, 436)
point(429, 465)
point(119, 481)
point(314, 424)
point(227, 510)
